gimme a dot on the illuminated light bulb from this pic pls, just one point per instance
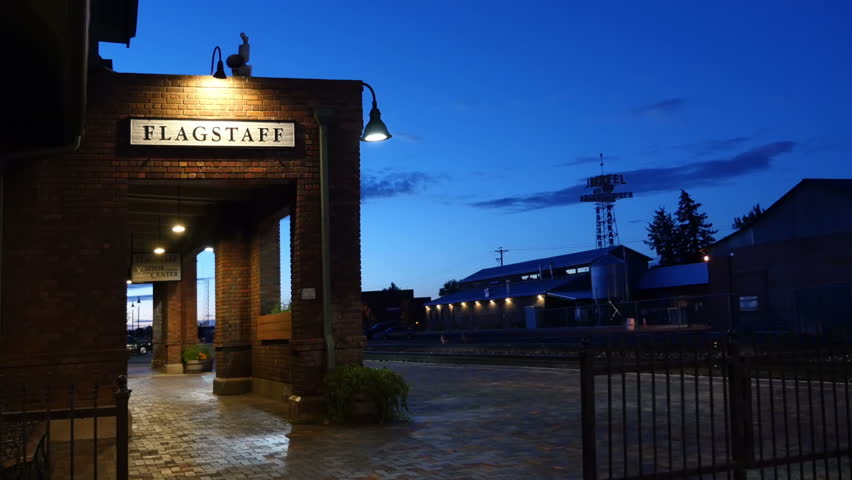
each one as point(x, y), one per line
point(129, 281)
point(208, 249)
point(159, 250)
point(179, 228)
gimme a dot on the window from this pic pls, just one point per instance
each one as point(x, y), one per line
point(582, 269)
point(570, 271)
point(749, 304)
point(532, 276)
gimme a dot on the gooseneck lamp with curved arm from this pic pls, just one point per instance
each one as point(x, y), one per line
point(220, 69)
point(375, 131)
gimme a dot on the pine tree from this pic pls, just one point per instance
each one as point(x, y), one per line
point(694, 232)
point(450, 286)
point(662, 236)
point(392, 288)
point(747, 219)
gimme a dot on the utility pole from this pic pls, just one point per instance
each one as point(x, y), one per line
point(501, 251)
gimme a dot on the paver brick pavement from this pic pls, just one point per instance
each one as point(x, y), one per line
point(467, 422)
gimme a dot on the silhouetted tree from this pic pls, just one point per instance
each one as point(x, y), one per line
point(392, 288)
point(747, 219)
point(694, 232)
point(662, 236)
point(450, 286)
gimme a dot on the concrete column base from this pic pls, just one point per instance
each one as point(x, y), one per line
point(271, 388)
point(231, 386)
point(173, 368)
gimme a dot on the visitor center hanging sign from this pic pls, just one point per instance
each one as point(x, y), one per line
point(148, 267)
point(211, 133)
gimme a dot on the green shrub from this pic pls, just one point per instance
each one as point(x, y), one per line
point(279, 308)
point(196, 352)
point(385, 388)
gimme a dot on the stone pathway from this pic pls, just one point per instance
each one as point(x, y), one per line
point(468, 422)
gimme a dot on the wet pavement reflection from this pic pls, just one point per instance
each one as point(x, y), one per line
point(467, 422)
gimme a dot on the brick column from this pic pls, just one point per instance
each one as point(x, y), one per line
point(173, 326)
point(189, 299)
point(233, 315)
point(159, 355)
point(174, 312)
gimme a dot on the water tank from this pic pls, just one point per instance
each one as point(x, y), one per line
point(608, 279)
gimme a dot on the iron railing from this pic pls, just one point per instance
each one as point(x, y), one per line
point(58, 431)
point(768, 408)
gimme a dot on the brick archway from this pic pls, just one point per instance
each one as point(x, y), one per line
point(70, 230)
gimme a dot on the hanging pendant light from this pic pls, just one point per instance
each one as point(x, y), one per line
point(130, 266)
point(179, 226)
point(159, 249)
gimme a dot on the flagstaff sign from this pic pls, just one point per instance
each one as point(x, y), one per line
point(146, 268)
point(211, 133)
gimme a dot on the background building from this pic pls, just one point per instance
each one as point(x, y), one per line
point(792, 269)
point(398, 307)
point(552, 291)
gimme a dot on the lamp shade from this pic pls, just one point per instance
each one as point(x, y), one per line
point(220, 71)
point(375, 131)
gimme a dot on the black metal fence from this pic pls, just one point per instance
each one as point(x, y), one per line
point(67, 432)
point(772, 408)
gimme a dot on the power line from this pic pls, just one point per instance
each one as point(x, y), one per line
point(567, 247)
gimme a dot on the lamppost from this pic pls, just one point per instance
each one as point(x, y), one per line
point(374, 131)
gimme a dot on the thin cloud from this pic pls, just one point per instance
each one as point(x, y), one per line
point(391, 184)
point(713, 146)
point(647, 180)
point(584, 159)
point(408, 137)
point(666, 106)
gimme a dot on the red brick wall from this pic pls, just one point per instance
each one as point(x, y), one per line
point(66, 242)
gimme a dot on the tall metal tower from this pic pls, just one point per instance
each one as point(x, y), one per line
point(206, 316)
point(604, 196)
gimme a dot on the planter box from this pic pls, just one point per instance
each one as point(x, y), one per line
point(275, 326)
point(194, 366)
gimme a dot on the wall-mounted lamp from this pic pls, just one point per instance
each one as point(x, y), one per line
point(220, 68)
point(375, 131)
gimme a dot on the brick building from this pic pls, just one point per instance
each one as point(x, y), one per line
point(72, 221)
point(393, 307)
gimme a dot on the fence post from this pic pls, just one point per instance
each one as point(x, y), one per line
point(122, 396)
point(739, 393)
point(587, 409)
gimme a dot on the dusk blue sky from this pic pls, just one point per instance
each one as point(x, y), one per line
point(499, 110)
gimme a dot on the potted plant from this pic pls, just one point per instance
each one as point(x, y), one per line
point(194, 358)
point(365, 395)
